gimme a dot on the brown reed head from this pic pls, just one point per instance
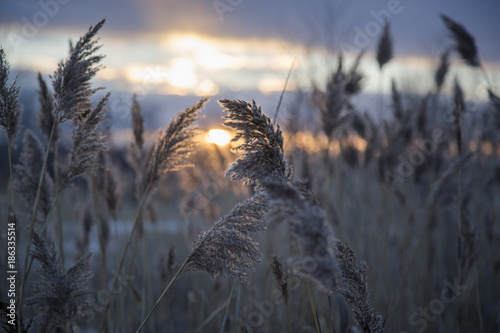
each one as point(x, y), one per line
point(262, 143)
point(465, 44)
point(56, 292)
point(227, 249)
point(10, 109)
point(384, 47)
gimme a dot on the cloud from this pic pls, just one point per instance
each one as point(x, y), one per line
point(318, 23)
point(203, 46)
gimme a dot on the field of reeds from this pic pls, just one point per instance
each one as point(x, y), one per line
point(363, 224)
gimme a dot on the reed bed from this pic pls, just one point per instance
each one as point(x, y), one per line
point(400, 234)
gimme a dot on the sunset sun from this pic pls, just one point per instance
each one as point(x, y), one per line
point(218, 136)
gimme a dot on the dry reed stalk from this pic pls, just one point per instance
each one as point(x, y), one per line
point(137, 122)
point(495, 101)
point(442, 70)
point(9, 100)
point(465, 45)
point(262, 148)
point(332, 102)
point(281, 276)
point(397, 105)
point(355, 290)
point(56, 293)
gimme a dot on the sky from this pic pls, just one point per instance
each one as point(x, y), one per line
point(206, 47)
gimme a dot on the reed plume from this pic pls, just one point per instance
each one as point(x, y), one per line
point(495, 101)
point(137, 122)
point(464, 42)
point(10, 109)
point(354, 289)
point(137, 156)
point(384, 47)
point(332, 102)
point(56, 292)
point(112, 192)
point(281, 276)
point(262, 148)
point(226, 249)
point(167, 265)
point(354, 77)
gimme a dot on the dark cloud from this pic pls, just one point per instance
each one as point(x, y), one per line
point(417, 28)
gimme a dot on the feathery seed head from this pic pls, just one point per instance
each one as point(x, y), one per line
point(281, 276)
point(71, 81)
point(464, 42)
point(55, 291)
point(384, 48)
point(227, 249)
point(262, 145)
point(10, 109)
point(355, 289)
point(87, 142)
point(442, 70)
point(137, 123)
point(335, 99)
point(458, 111)
point(174, 144)
point(354, 77)
point(45, 117)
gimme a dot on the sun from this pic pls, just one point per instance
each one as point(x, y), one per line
point(218, 136)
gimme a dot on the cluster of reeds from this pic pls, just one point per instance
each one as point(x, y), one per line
point(406, 220)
